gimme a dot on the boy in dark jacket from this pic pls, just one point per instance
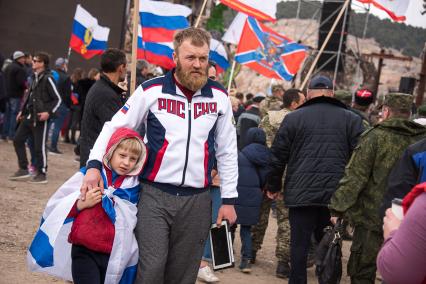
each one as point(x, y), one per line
point(253, 163)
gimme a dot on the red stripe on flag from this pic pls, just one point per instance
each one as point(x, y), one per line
point(237, 5)
point(158, 160)
point(157, 34)
point(156, 59)
point(381, 7)
point(76, 44)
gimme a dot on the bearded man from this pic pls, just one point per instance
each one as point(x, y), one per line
point(188, 122)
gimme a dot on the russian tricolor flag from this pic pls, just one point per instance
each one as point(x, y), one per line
point(218, 55)
point(159, 21)
point(88, 38)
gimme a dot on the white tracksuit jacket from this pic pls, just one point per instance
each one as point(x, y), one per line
point(182, 137)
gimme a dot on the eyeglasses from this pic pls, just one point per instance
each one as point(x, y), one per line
point(35, 61)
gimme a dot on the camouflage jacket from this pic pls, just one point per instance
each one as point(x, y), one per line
point(365, 121)
point(270, 103)
point(360, 192)
point(271, 122)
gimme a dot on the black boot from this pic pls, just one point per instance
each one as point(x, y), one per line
point(283, 270)
point(253, 256)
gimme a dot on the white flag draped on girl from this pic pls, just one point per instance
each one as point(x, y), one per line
point(50, 251)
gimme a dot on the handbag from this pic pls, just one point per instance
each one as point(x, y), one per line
point(328, 256)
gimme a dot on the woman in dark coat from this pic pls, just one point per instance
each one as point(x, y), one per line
point(253, 163)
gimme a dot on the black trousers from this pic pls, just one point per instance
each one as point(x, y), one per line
point(39, 133)
point(88, 267)
point(303, 222)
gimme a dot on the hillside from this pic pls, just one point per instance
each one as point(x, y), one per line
point(407, 39)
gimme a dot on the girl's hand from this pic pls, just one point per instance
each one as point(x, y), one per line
point(93, 197)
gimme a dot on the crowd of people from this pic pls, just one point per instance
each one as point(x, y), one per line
point(203, 155)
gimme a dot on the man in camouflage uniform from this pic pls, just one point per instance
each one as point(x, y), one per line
point(360, 191)
point(273, 102)
point(270, 123)
point(344, 96)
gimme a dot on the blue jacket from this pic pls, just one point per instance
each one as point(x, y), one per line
point(253, 161)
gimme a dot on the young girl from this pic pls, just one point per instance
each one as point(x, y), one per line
point(101, 246)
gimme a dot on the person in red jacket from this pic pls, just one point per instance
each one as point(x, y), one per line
point(92, 232)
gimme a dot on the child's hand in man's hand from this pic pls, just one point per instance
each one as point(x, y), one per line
point(93, 197)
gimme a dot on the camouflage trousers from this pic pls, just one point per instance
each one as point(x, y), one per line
point(282, 251)
point(362, 261)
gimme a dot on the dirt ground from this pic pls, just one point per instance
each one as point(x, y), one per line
point(21, 206)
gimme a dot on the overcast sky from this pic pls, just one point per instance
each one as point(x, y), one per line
point(414, 18)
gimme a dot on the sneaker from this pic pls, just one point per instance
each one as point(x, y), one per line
point(283, 270)
point(39, 178)
point(55, 151)
point(245, 265)
point(253, 256)
point(206, 275)
point(20, 174)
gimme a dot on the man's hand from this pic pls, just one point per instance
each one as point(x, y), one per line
point(91, 180)
point(333, 220)
point(272, 195)
point(43, 116)
point(226, 212)
point(93, 197)
point(390, 223)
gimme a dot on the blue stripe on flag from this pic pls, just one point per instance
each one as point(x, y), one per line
point(150, 20)
point(247, 57)
point(41, 250)
point(257, 30)
point(219, 59)
point(130, 194)
point(79, 30)
point(156, 48)
point(68, 220)
point(129, 275)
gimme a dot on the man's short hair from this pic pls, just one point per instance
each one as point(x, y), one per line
point(291, 95)
point(111, 59)
point(141, 64)
point(239, 96)
point(198, 37)
point(44, 57)
point(276, 88)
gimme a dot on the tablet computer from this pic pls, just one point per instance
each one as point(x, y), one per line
point(221, 246)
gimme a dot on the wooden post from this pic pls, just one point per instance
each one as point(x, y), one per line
point(134, 46)
point(379, 73)
point(422, 81)
point(200, 14)
point(344, 7)
point(231, 75)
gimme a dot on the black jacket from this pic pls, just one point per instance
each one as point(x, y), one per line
point(15, 78)
point(43, 96)
point(248, 119)
point(406, 173)
point(103, 100)
point(315, 142)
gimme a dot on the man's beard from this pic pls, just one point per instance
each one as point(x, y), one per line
point(191, 82)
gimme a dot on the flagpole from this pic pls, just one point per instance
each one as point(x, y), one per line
point(134, 46)
point(201, 13)
point(69, 54)
point(231, 75)
point(311, 69)
point(339, 52)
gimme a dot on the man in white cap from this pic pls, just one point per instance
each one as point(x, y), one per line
point(15, 79)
